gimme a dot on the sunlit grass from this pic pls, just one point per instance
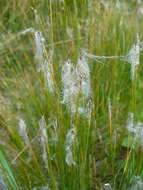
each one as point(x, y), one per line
point(101, 149)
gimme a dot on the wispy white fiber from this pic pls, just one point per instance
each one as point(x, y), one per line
point(70, 87)
point(98, 57)
point(69, 143)
point(23, 131)
point(54, 133)
point(69, 158)
point(138, 184)
point(130, 122)
point(76, 86)
point(41, 188)
point(44, 188)
point(45, 65)
point(83, 75)
point(43, 139)
point(39, 41)
point(62, 1)
point(70, 137)
point(42, 124)
point(134, 57)
point(105, 3)
point(107, 186)
point(139, 133)
point(23, 134)
point(136, 129)
point(26, 31)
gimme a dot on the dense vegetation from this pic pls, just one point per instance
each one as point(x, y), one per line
point(45, 142)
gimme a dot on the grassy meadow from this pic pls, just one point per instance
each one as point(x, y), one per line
point(54, 137)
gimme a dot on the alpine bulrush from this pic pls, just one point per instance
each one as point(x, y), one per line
point(70, 87)
point(130, 122)
point(107, 186)
point(76, 85)
point(43, 140)
point(138, 184)
point(136, 129)
point(23, 134)
point(83, 75)
point(133, 57)
point(39, 42)
point(48, 73)
point(45, 65)
point(69, 143)
point(23, 131)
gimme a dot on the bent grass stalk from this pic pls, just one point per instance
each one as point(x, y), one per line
point(97, 28)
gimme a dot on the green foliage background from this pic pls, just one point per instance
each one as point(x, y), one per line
point(69, 26)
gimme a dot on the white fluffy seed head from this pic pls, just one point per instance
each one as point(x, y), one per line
point(48, 75)
point(43, 131)
point(23, 131)
point(70, 141)
point(138, 183)
point(42, 188)
point(24, 135)
point(76, 85)
point(134, 57)
point(69, 158)
point(107, 186)
point(70, 137)
point(135, 129)
point(138, 133)
point(22, 127)
point(43, 140)
point(45, 66)
point(26, 31)
point(70, 88)
point(82, 67)
point(130, 122)
point(105, 3)
point(83, 76)
point(68, 74)
point(39, 41)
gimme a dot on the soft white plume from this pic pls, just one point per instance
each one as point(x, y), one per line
point(76, 86)
point(43, 139)
point(69, 143)
point(70, 88)
point(45, 65)
point(107, 186)
point(23, 131)
point(136, 129)
point(134, 57)
point(83, 75)
point(138, 184)
point(39, 41)
point(23, 134)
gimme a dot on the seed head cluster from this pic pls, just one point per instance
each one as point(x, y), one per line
point(76, 85)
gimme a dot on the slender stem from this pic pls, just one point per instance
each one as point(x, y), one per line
point(102, 57)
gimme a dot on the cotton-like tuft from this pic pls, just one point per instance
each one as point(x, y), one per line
point(83, 75)
point(43, 140)
point(76, 86)
point(134, 57)
point(107, 186)
point(69, 143)
point(45, 65)
point(39, 41)
point(23, 131)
